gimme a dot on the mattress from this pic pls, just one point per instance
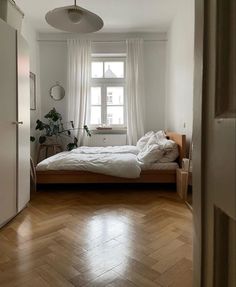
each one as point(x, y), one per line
point(119, 161)
point(114, 164)
point(159, 166)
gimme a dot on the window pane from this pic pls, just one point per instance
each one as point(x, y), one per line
point(95, 116)
point(96, 96)
point(115, 115)
point(115, 96)
point(114, 69)
point(97, 69)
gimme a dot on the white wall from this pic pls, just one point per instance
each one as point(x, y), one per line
point(155, 84)
point(180, 67)
point(53, 67)
point(30, 35)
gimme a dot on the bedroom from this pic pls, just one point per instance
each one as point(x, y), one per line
point(137, 235)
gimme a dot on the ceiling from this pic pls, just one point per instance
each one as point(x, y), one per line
point(118, 15)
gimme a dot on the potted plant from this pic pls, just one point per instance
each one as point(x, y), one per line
point(54, 129)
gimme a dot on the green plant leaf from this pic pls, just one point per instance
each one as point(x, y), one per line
point(39, 125)
point(53, 115)
point(55, 129)
point(71, 146)
point(72, 124)
point(87, 130)
point(32, 139)
point(42, 139)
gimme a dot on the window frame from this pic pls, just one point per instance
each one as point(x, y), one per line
point(104, 83)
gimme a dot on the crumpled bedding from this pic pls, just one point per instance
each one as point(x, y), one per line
point(155, 147)
point(121, 161)
point(86, 159)
point(109, 149)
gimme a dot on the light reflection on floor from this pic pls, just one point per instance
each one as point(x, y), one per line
point(106, 230)
point(91, 238)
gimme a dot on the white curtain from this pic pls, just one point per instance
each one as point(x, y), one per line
point(78, 73)
point(135, 90)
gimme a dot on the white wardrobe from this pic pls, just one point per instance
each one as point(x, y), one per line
point(14, 123)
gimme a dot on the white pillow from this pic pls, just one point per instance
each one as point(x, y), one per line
point(157, 138)
point(152, 140)
point(141, 143)
point(160, 135)
point(150, 154)
point(170, 151)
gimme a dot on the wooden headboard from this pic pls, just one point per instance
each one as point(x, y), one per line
point(181, 141)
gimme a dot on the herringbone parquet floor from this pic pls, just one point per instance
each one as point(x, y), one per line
point(105, 238)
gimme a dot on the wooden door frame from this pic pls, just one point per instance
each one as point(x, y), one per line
point(205, 62)
point(198, 139)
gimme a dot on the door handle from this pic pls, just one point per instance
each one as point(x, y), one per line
point(17, 123)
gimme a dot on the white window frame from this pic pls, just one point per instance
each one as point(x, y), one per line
point(104, 83)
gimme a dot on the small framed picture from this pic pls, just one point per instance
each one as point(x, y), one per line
point(32, 91)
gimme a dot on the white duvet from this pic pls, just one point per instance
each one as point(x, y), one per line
point(126, 161)
point(109, 149)
point(116, 161)
point(156, 148)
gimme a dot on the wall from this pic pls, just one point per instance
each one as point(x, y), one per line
point(53, 61)
point(155, 84)
point(53, 67)
point(180, 65)
point(30, 35)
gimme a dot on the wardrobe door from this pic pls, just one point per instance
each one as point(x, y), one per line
point(23, 114)
point(8, 125)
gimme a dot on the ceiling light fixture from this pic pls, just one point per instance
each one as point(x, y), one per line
point(74, 19)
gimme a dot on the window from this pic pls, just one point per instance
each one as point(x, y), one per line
point(107, 92)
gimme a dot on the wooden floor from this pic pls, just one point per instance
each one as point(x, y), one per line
point(106, 238)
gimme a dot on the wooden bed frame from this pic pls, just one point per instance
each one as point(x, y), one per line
point(147, 176)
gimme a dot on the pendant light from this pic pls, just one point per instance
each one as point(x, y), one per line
point(74, 19)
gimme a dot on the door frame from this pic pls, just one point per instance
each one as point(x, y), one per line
point(205, 271)
point(198, 100)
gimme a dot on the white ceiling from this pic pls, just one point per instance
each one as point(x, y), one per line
point(118, 15)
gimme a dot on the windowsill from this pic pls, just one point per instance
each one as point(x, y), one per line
point(103, 128)
point(108, 130)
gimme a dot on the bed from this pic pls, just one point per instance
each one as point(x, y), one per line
point(146, 176)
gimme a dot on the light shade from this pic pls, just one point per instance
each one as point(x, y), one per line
point(74, 19)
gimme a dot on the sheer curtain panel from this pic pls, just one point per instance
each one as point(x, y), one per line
point(78, 73)
point(135, 90)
